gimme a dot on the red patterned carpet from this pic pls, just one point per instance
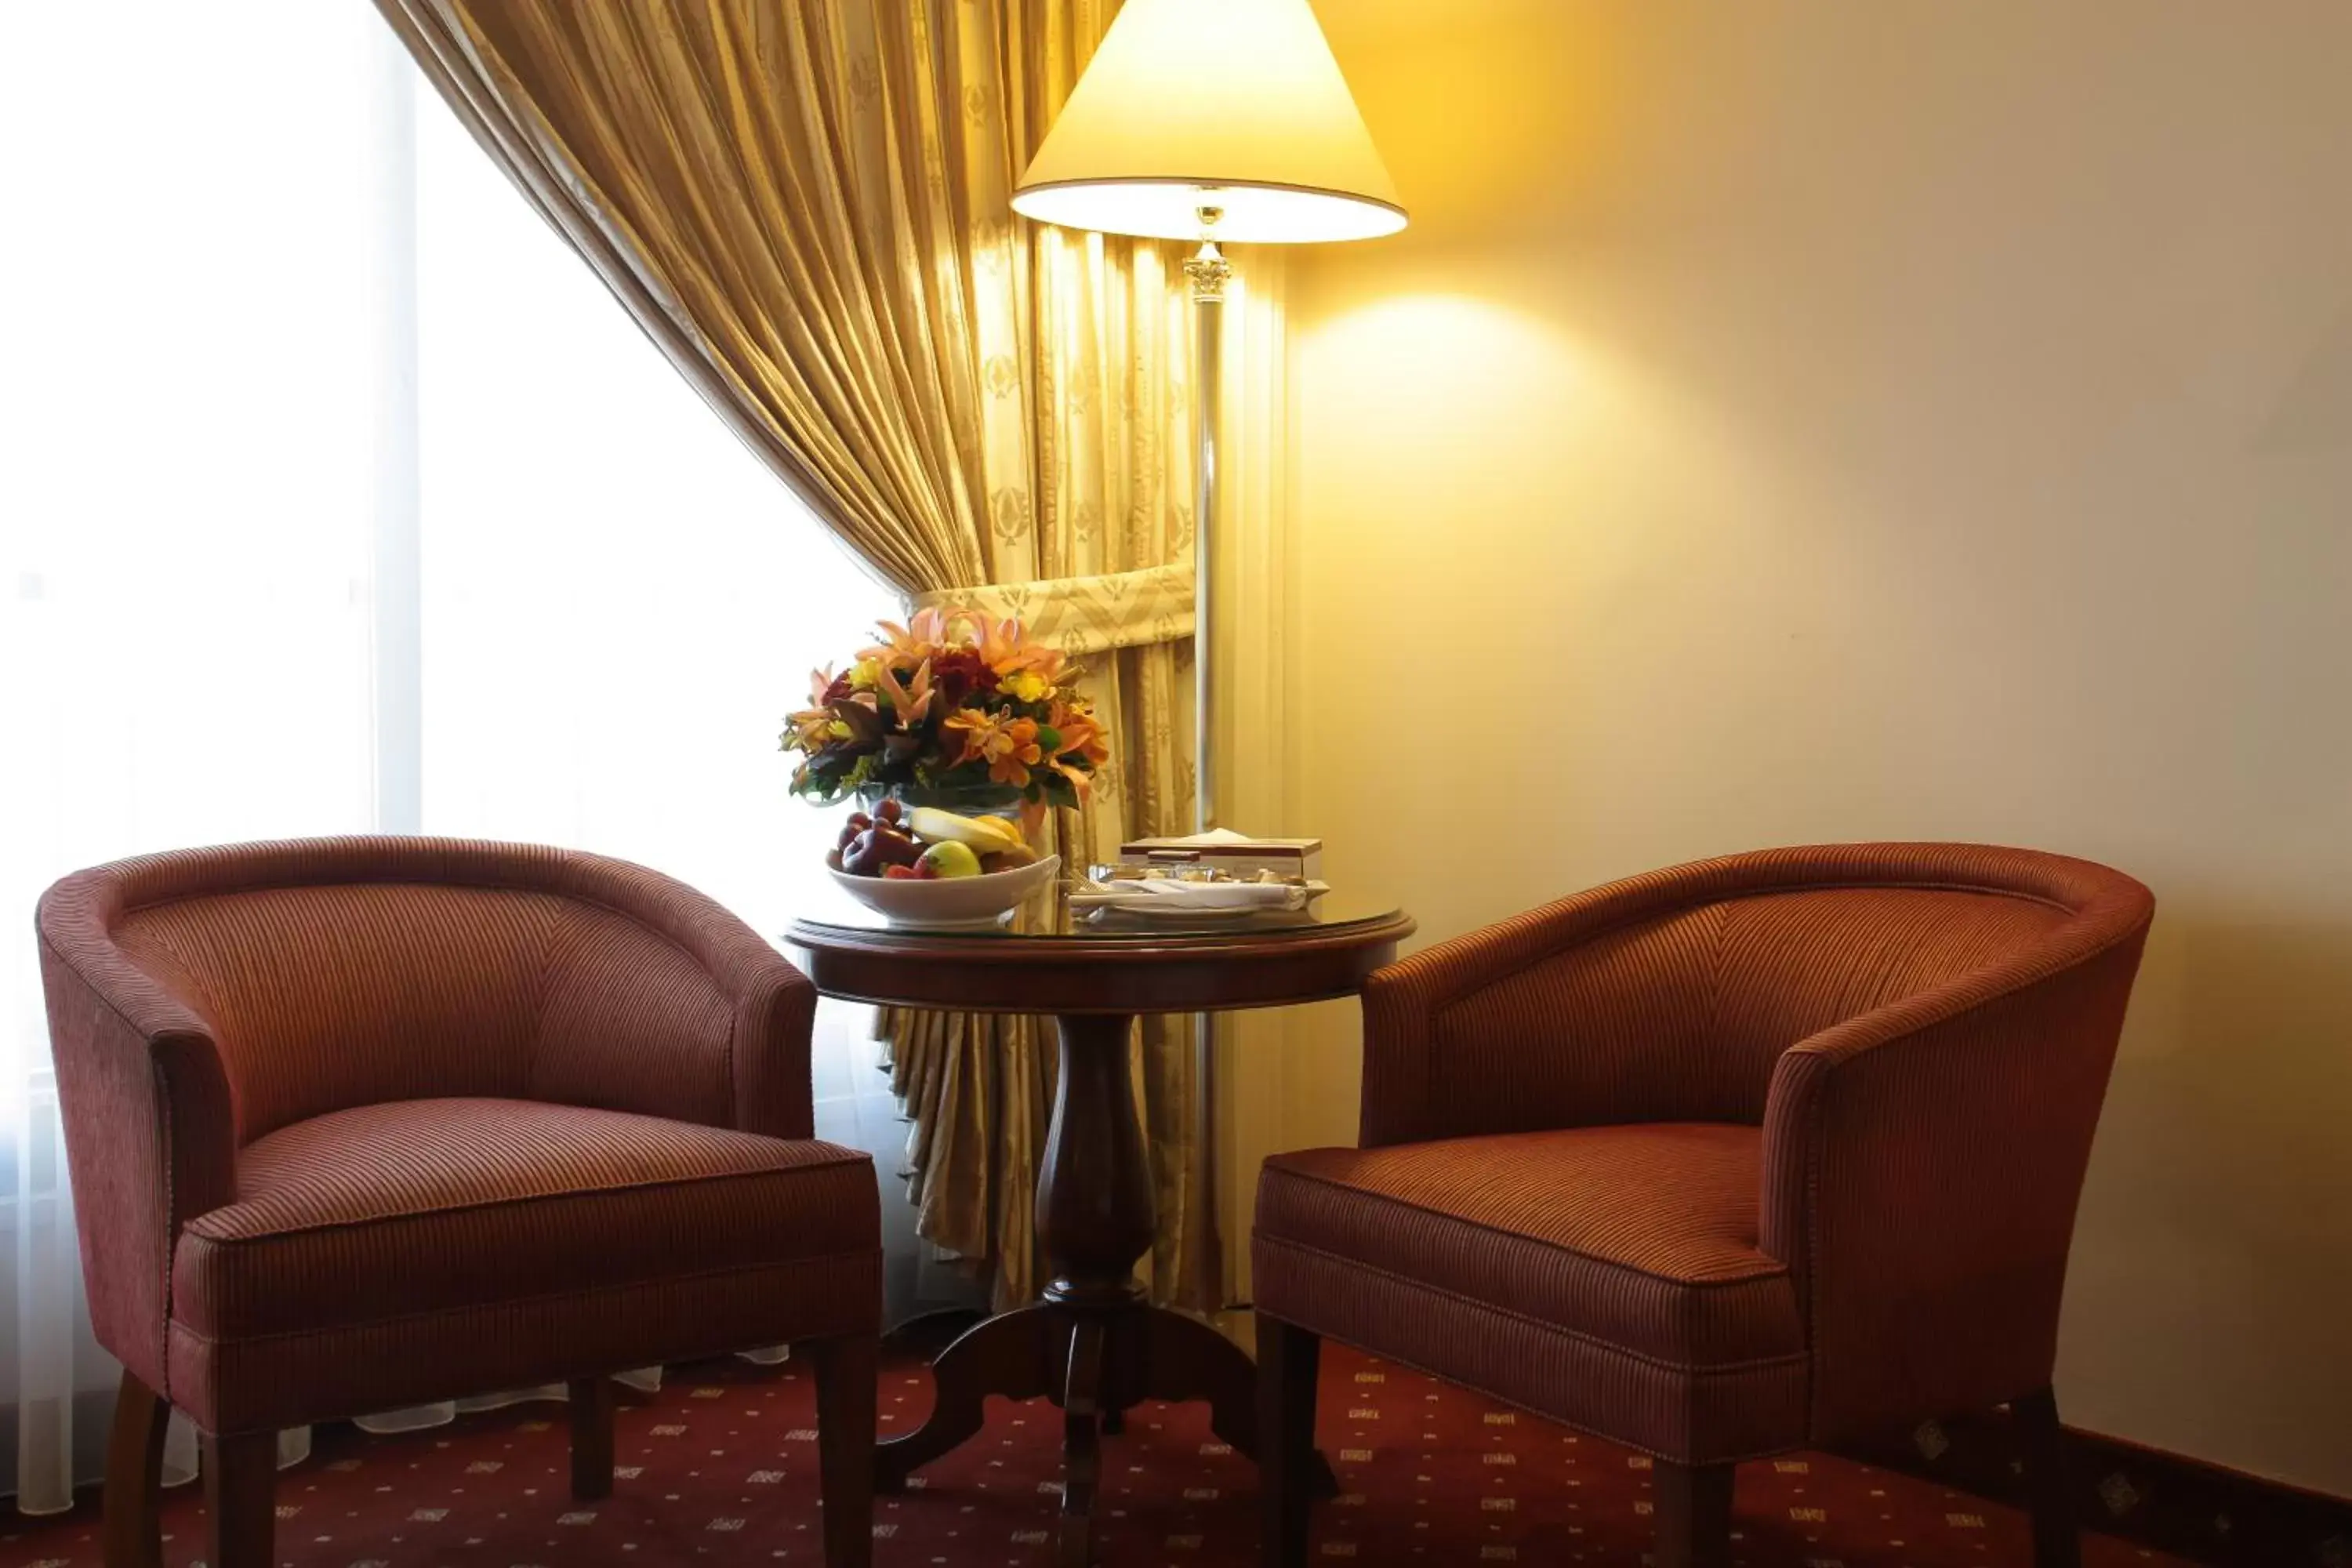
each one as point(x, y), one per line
point(721, 1469)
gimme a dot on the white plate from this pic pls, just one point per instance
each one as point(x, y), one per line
point(1174, 900)
point(1173, 909)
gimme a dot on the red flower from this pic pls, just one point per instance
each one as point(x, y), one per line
point(960, 673)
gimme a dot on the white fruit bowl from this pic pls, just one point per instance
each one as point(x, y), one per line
point(950, 901)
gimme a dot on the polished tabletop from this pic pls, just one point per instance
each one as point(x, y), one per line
point(1052, 917)
point(1057, 959)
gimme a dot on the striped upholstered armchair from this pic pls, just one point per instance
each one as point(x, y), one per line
point(363, 1122)
point(1756, 1155)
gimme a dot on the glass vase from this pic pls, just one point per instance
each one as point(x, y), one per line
point(964, 800)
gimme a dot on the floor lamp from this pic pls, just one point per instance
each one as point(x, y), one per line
point(1225, 121)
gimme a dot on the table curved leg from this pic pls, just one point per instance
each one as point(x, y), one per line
point(1014, 1354)
point(1186, 1358)
point(1081, 1441)
point(926, 1335)
point(1189, 1359)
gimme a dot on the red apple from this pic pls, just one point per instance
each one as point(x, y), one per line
point(879, 846)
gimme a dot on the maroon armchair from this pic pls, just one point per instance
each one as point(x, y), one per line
point(357, 1123)
point(1759, 1153)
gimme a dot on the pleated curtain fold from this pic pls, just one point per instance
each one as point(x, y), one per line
point(805, 204)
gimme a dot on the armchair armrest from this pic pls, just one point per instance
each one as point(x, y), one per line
point(1566, 1016)
point(1921, 1168)
point(150, 1125)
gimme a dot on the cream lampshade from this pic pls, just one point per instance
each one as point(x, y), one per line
point(1235, 106)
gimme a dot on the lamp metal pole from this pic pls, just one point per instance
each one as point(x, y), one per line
point(1208, 272)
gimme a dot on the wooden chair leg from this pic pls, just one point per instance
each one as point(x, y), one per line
point(1288, 1357)
point(1693, 1509)
point(241, 1496)
point(2057, 1540)
point(134, 1477)
point(591, 1438)
point(846, 1398)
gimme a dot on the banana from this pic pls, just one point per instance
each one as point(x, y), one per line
point(985, 833)
point(1007, 832)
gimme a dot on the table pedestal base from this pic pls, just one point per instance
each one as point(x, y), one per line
point(1093, 1345)
point(1094, 1363)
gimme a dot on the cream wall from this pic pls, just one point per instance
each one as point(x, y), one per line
point(1883, 418)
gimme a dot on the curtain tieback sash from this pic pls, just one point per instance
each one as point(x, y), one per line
point(1086, 614)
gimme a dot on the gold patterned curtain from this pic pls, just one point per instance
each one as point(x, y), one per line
point(806, 205)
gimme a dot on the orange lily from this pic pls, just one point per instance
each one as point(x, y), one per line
point(810, 731)
point(811, 727)
point(1005, 647)
point(909, 702)
point(926, 631)
point(1082, 737)
point(1009, 745)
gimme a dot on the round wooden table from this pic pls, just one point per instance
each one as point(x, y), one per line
point(1093, 1344)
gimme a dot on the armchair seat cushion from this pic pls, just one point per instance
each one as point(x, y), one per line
point(423, 1248)
point(1607, 1277)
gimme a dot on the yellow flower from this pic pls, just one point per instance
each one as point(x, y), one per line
point(1027, 684)
point(864, 674)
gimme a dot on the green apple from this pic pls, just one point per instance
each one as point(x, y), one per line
point(951, 859)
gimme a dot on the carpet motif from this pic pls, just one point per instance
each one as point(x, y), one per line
point(720, 1469)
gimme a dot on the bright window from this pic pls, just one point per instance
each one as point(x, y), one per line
point(328, 472)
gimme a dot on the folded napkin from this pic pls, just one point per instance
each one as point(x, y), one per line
point(1214, 835)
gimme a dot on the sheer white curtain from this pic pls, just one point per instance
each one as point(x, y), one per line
point(617, 598)
point(188, 412)
point(336, 496)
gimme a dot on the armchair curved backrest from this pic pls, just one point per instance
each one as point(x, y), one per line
point(204, 998)
point(1671, 997)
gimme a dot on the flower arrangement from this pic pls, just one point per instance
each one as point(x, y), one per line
point(952, 703)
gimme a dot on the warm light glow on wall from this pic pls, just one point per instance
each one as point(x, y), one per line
point(1455, 348)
